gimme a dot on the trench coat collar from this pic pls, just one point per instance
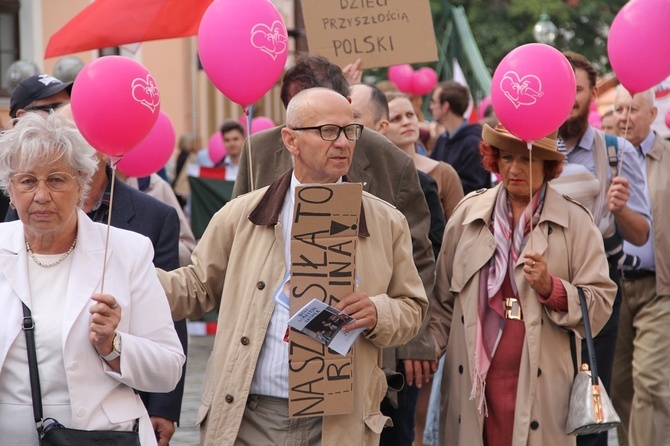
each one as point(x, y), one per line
point(484, 209)
point(266, 212)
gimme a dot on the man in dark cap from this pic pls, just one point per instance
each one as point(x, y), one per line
point(38, 93)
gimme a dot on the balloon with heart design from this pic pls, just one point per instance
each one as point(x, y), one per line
point(115, 103)
point(146, 93)
point(533, 91)
point(269, 39)
point(243, 47)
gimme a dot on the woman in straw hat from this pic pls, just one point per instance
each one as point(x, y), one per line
point(511, 261)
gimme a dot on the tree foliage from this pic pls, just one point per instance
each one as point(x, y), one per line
point(502, 25)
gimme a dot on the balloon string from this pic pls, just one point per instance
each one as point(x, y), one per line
point(530, 187)
point(109, 224)
point(625, 137)
point(250, 115)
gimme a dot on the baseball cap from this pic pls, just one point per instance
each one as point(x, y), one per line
point(33, 88)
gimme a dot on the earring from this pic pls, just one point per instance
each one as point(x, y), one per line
point(11, 205)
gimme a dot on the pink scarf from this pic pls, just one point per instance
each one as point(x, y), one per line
point(510, 242)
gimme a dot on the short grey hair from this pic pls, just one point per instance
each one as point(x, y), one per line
point(648, 96)
point(41, 140)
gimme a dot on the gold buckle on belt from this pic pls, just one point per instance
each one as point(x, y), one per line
point(513, 309)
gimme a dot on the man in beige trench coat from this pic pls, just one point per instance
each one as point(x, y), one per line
point(240, 262)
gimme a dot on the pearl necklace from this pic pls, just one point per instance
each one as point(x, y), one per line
point(49, 265)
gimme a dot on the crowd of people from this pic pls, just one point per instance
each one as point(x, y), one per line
point(470, 255)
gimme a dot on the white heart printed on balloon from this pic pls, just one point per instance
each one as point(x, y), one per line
point(521, 90)
point(269, 39)
point(146, 92)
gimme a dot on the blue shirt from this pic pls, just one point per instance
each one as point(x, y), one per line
point(583, 154)
point(646, 251)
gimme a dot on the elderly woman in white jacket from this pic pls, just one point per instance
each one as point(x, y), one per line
point(93, 347)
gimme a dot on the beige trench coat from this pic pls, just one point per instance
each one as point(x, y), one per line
point(572, 246)
point(237, 266)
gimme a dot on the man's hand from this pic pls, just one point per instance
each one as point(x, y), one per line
point(632, 226)
point(618, 194)
point(164, 430)
point(353, 72)
point(359, 306)
point(418, 372)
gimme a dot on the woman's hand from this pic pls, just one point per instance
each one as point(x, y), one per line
point(536, 274)
point(105, 317)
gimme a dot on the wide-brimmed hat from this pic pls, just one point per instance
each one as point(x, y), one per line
point(544, 149)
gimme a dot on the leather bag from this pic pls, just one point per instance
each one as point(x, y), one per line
point(590, 410)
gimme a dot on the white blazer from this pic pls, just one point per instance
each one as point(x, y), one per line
point(151, 358)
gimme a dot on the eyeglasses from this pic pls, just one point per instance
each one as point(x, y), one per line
point(45, 108)
point(27, 182)
point(330, 132)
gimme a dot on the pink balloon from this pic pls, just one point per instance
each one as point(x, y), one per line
point(638, 44)
point(533, 91)
point(153, 152)
point(594, 116)
point(483, 105)
point(401, 76)
point(243, 46)
point(595, 120)
point(115, 104)
point(215, 147)
point(258, 124)
point(667, 119)
point(423, 81)
point(261, 123)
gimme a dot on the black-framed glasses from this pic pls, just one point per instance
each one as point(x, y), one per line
point(46, 107)
point(330, 132)
point(56, 181)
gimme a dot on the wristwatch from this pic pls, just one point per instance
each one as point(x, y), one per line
point(116, 349)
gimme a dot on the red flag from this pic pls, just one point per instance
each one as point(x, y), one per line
point(108, 23)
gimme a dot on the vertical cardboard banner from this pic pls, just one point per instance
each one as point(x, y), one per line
point(323, 266)
point(380, 32)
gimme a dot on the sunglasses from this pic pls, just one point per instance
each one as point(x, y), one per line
point(45, 108)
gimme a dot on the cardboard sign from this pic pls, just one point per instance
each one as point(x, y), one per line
point(380, 32)
point(323, 266)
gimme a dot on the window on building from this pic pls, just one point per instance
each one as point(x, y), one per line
point(9, 40)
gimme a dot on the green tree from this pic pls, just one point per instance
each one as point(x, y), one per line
point(502, 25)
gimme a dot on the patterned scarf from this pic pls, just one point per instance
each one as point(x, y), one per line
point(510, 242)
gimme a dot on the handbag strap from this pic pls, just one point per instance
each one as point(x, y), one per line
point(590, 347)
point(36, 391)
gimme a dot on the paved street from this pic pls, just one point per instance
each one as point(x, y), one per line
point(199, 348)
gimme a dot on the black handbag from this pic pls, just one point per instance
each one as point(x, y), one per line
point(50, 431)
point(590, 410)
